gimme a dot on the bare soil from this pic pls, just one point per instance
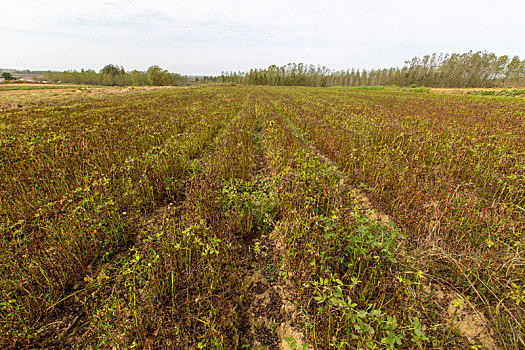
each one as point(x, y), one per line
point(465, 317)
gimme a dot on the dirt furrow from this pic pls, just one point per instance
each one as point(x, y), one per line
point(269, 318)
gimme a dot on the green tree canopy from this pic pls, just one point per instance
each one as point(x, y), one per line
point(112, 70)
point(157, 75)
point(7, 76)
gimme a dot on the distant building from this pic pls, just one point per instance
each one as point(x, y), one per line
point(29, 80)
point(2, 79)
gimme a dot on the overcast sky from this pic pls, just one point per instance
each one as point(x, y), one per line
point(207, 37)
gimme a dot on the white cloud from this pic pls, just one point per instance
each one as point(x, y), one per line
point(209, 36)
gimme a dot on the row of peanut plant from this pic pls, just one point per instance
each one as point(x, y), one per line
point(355, 289)
point(449, 169)
point(181, 288)
point(74, 180)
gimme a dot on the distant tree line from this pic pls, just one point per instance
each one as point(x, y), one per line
point(117, 76)
point(471, 69)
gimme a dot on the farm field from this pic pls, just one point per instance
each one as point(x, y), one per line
point(30, 95)
point(248, 217)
